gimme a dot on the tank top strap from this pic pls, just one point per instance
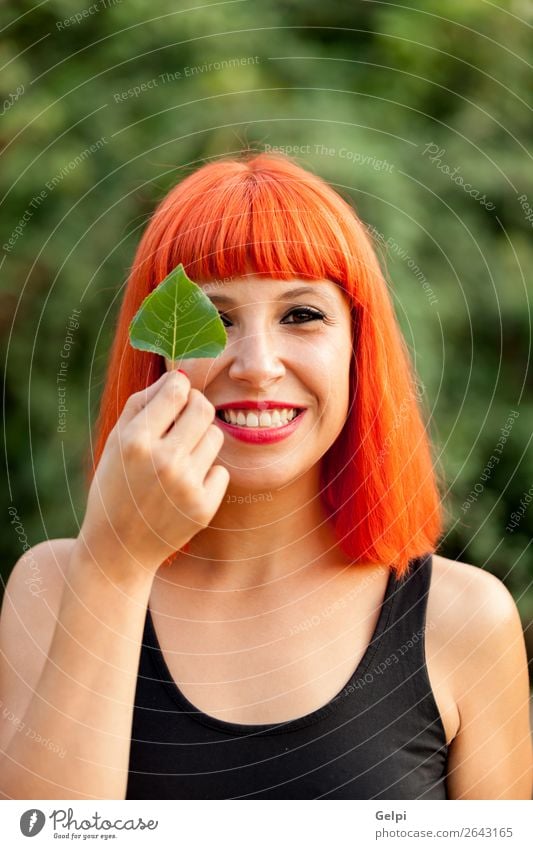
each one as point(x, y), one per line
point(407, 621)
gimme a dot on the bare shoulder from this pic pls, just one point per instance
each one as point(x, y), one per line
point(27, 622)
point(468, 597)
point(471, 615)
point(479, 647)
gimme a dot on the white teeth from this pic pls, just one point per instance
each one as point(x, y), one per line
point(257, 418)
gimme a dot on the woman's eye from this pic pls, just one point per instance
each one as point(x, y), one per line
point(313, 315)
point(309, 315)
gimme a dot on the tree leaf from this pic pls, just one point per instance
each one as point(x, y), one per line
point(178, 321)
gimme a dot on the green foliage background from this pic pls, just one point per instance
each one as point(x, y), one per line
point(344, 82)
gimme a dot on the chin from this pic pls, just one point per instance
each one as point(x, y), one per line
point(266, 479)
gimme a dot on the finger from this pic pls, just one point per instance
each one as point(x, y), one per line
point(138, 400)
point(164, 406)
point(215, 484)
point(207, 450)
point(192, 424)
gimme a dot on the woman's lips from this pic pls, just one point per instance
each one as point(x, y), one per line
point(261, 434)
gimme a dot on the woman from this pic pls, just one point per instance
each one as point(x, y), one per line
point(253, 607)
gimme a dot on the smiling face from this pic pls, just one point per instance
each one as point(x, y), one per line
point(287, 347)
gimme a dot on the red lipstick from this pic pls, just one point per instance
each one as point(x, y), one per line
point(260, 435)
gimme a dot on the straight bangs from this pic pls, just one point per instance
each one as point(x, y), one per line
point(263, 214)
point(233, 219)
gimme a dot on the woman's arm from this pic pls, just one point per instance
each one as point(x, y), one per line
point(155, 487)
point(72, 741)
point(491, 755)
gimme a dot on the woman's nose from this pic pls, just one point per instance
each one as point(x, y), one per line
point(256, 357)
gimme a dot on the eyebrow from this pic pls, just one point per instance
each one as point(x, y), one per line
point(290, 293)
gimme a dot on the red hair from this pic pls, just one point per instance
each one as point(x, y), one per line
point(266, 214)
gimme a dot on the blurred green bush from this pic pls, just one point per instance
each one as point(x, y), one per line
point(400, 108)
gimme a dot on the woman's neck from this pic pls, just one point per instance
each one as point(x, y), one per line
point(257, 537)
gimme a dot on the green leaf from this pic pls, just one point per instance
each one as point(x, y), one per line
point(178, 321)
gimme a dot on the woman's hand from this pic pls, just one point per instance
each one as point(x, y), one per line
point(155, 486)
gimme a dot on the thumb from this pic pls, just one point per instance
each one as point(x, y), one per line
point(138, 400)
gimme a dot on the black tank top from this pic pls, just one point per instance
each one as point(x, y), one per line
point(380, 737)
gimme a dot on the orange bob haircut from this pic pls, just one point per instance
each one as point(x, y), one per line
point(262, 213)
